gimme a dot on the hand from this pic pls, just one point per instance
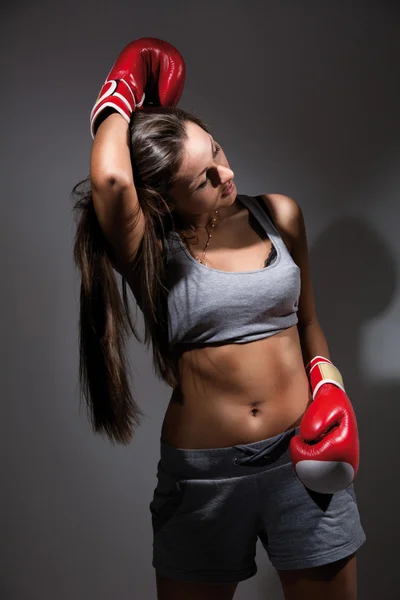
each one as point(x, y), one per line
point(146, 68)
point(325, 454)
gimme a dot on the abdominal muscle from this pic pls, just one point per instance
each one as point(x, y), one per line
point(237, 393)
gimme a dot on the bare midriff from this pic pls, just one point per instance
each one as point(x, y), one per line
point(237, 393)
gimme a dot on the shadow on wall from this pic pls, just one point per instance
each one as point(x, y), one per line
point(354, 279)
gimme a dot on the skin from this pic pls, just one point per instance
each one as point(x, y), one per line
point(253, 390)
point(237, 394)
point(231, 394)
point(335, 581)
point(195, 197)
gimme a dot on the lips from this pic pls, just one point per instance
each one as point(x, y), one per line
point(228, 189)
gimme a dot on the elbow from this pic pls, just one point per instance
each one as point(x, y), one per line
point(113, 181)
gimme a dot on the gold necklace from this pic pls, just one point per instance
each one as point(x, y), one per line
point(213, 221)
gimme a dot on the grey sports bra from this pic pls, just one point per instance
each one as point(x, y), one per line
point(207, 306)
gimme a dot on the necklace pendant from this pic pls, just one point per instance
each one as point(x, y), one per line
point(213, 221)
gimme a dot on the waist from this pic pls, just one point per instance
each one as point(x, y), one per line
point(232, 461)
point(238, 393)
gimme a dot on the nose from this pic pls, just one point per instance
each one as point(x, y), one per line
point(225, 174)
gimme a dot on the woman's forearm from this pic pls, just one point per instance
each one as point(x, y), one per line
point(313, 342)
point(110, 157)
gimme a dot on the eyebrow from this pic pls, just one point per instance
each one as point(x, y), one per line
point(206, 169)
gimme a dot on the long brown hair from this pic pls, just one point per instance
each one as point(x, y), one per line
point(157, 136)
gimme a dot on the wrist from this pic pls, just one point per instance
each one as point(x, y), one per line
point(116, 94)
point(103, 116)
point(322, 371)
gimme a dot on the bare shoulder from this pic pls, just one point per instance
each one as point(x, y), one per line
point(287, 216)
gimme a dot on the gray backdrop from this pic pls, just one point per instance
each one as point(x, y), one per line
point(303, 96)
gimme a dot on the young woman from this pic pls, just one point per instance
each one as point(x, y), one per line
point(223, 281)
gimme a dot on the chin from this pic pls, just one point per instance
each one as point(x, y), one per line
point(226, 203)
point(229, 200)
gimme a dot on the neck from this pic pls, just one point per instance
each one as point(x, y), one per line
point(202, 221)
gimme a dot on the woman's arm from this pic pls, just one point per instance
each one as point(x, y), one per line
point(325, 453)
point(110, 158)
point(313, 342)
point(114, 195)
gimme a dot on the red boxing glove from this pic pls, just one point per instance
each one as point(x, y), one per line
point(325, 454)
point(146, 67)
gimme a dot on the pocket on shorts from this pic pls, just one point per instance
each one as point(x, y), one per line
point(190, 503)
point(166, 501)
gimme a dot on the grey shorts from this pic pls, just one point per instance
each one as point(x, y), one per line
point(211, 505)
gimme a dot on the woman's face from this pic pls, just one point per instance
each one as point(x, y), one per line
point(203, 178)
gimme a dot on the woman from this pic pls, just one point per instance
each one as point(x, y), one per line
point(223, 282)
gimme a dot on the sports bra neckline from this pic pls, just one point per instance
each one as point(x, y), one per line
point(268, 230)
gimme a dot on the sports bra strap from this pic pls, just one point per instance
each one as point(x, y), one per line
point(264, 208)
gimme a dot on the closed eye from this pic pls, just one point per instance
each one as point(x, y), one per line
point(216, 151)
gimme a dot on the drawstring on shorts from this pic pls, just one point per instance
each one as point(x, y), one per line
point(270, 452)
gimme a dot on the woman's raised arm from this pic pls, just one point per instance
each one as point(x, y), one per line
point(114, 195)
point(130, 82)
